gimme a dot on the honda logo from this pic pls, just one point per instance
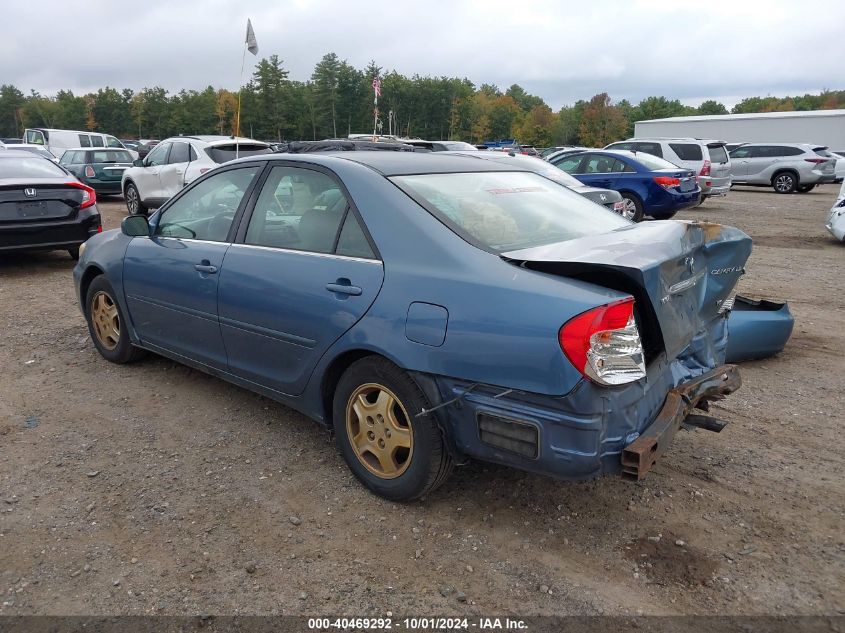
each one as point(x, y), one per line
point(30, 192)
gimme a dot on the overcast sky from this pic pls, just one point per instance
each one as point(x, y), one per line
point(561, 51)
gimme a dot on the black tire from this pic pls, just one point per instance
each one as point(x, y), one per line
point(73, 251)
point(784, 182)
point(633, 207)
point(133, 200)
point(804, 188)
point(115, 348)
point(423, 466)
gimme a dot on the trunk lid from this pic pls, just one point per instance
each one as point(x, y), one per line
point(680, 273)
point(38, 201)
point(110, 171)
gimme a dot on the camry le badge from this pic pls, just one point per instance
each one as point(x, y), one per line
point(30, 192)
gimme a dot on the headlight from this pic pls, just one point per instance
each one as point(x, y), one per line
point(82, 248)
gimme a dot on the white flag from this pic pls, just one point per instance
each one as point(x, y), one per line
point(251, 42)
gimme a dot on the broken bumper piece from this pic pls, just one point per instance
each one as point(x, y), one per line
point(639, 456)
point(757, 329)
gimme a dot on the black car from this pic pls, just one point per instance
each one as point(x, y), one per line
point(145, 148)
point(43, 207)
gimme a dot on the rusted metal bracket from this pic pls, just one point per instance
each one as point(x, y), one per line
point(640, 455)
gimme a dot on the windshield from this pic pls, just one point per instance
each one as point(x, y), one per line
point(503, 211)
point(28, 166)
point(459, 145)
point(224, 153)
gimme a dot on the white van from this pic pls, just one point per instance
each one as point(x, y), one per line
point(57, 141)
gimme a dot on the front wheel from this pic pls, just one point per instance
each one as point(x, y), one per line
point(804, 188)
point(107, 324)
point(784, 182)
point(133, 200)
point(633, 207)
point(389, 448)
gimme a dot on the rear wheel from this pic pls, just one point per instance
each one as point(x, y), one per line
point(133, 200)
point(804, 188)
point(393, 452)
point(784, 182)
point(106, 323)
point(633, 207)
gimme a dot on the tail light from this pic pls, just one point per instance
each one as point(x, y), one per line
point(89, 196)
point(89, 171)
point(604, 344)
point(667, 182)
point(705, 171)
point(816, 161)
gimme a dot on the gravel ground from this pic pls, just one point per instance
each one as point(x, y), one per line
point(152, 488)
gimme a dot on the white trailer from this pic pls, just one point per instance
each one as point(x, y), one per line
point(823, 127)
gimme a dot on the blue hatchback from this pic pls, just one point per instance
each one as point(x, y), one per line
point(650, 185)
point(429, 309)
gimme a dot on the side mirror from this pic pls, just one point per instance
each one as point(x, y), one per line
point(138, 162)
point(135, 226)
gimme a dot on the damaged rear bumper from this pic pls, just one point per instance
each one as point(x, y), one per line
point(639, 456)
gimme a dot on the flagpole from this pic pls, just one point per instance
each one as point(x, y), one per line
point(240, 89)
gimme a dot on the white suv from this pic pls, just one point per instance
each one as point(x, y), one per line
point(176, 162)
point(708, 159)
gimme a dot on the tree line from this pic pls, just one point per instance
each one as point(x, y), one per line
point(338, 100)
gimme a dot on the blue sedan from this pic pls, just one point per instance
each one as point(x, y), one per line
point(650, 185)
point(428, 309)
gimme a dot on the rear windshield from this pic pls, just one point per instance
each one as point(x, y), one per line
point(111, 156)
point(687, 151)
point(224, 153)
point(717, 153)
point(38, 151)
point(28, 166)
point(504, 211)
point(653, 162)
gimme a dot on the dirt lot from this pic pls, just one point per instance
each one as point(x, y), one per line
point(152, 488)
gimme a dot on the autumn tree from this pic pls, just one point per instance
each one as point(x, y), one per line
point(602, 122)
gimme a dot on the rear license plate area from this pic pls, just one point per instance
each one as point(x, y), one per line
point(32, 210)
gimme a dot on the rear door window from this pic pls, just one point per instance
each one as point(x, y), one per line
point(687, 151)
point(299, 209)
point(97, 141)
point(570, 164)
point(621, 167)
point(624, 146)
point(649, 148)
point(179, 153)
point(717, 153)
point(775, 151)
point(84, 140)
point(598, 164)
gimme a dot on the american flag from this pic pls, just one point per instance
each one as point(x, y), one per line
point(377, 86)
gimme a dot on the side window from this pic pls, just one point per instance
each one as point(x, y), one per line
point(687, 151)
point(84, 140)
point(113, 142)
point(193, 153)
point(35, 137)
point(178, 153)
point(759, 151)
point(620, 167)
point(621, 146)
point(597, 164)
point(158, 155)
point(784, 150)
point(97, 141)
point(67, 158)
point(741, 152)
point(206, 211)
point(352, 241)
point(649, 148)
point(570, 164)
point(80, 157)
point(298, 209)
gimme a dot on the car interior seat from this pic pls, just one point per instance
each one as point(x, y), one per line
point(318, 226)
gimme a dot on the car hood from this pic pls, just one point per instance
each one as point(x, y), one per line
point(680, 273)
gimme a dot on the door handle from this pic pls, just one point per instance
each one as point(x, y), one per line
point(344, 287)
point(205, 267)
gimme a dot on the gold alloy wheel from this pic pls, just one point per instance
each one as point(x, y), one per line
point(379, 430)
point(106, 320)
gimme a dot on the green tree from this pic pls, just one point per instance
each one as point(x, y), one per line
point(712, 107)
point(326, 81)
point(12, 102)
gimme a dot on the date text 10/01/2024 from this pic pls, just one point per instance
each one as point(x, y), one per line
point(416, 624)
